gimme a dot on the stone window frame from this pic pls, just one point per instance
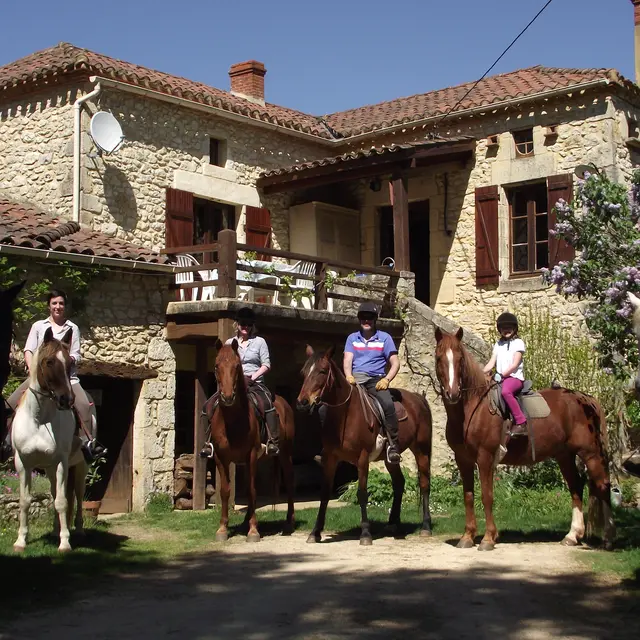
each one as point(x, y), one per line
point(217, 151)
point(523, 142)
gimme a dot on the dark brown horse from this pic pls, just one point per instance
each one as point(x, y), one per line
point(235, 435)
point(346, 436)
point(576, 426)
point(7, 297)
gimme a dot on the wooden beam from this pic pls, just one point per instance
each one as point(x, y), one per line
point(199, 438)
point(227, 256)
point(175, 331)
point(401, 223)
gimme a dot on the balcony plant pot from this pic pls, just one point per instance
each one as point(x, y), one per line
point(91, 509)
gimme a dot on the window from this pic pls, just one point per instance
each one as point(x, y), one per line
point(217, 152)
point(632, 126)
point(209, 218)
point(524, 142)
point(529, 219)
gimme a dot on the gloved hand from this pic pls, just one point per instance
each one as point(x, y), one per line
point(498, 377)
point(351, 379)
point(382, 384)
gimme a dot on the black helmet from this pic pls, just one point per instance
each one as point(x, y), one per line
point(368, 307)
point(246, 314)
point(507, 320)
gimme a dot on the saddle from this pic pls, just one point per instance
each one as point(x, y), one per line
point(533, 405)
point(372, 408)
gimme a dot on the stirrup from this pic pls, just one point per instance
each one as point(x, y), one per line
point(206, 451)
point(518, 430)
point(273, 449)
point(398, 454)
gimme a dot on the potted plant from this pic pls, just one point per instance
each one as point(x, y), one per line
point(91, 508)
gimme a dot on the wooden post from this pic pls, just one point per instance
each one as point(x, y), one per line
point(400, 223)
point(199, 464)
point(226, 331)
point(320, 287)
point(227, 258)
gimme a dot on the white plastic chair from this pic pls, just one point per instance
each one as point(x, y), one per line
point(187, 260)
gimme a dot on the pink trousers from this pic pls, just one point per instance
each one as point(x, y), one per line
point(511, 386)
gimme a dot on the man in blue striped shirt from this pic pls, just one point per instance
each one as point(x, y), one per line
point(366, 355)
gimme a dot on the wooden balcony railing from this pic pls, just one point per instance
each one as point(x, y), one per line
point(326, 275)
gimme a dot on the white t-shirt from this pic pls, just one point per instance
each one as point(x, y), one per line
point(504, 350)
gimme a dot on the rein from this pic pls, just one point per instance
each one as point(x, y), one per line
point(330, 378)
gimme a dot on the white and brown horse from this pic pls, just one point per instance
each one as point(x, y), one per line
point(42, 436)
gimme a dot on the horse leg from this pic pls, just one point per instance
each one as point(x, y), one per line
point(567, 464)
point(329, 464)
point(222, 534)
point(466, 469)
point(600, 515)
point(51, 475)
point(397, 481)
point(252, 462)
point(80, 487)
point(424, 478)
point(485, 470)
point(363, 497)
point(25, 503)
point(62, 505)
point(286, 462)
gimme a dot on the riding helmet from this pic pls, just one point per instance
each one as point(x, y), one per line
point(368, 307)
point(507, 320)
point(246, 314)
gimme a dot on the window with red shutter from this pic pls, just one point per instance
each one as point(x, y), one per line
point(559, 187)
point(487, 270)
point(258, 228)
point(178, 218)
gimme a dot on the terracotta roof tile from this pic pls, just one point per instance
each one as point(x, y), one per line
point(65, 58)
point(26, 226)
point(490, 91)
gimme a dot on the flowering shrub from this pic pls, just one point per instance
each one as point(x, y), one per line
point(602, 224)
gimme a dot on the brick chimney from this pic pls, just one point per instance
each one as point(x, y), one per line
point(247, 80)
point(636, 22)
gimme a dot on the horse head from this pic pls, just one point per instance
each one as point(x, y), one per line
point(53, 369)
point(317, 378)
point(228, 370)
point(449, 363)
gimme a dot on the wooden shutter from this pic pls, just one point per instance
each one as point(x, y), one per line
point(487, 271)
point(258, 228)
point(178, 219)
point(558, 187)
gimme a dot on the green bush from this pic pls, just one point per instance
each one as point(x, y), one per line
point(159, 503)
point(381, 489)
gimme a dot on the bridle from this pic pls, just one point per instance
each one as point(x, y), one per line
point(327, 385)
point(47, 393)
point(223, 399)
point(462, 390)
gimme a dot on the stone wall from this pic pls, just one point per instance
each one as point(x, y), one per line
point(41, 505)
point(123, 323)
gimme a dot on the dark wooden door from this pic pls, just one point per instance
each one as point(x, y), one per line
point(419, 255)
point(115, 400)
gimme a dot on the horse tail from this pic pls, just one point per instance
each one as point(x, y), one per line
point(599, 507)
point(276, 481)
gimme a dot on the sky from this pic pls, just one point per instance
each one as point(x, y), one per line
point(333, 55)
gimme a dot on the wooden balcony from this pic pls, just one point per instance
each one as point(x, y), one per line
point(315, 294)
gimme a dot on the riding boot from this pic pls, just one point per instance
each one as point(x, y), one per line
point(273, 429)
point(393, 450)
point(518, 430)
point(91, 449)
point(6, 450)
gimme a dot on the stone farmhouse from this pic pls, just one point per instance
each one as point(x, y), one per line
point(452, 191)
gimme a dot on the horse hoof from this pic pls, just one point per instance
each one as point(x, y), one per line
point(486, 546)
point(253, 536)
point(568, 542)
point(313, 538)
point(18, 548)
point(65, 549)
point(465, 543)
point(425, 533)
point(222, 536)
point(288, 529)
point(366, 541)
point(607, 545)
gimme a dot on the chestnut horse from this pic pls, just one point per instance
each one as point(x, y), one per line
point(235, 436)
point(7, 296)
point(576, 426)
point(346, 436)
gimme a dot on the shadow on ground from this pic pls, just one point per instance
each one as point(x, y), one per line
point(307, 591)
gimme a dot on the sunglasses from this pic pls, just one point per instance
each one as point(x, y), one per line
point(245, 323)
point(366, 317)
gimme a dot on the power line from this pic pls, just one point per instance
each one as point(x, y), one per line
point(484, 75)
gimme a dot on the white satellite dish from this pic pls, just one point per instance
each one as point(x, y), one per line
point(106, 132)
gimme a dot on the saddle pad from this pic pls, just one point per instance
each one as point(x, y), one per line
point(401, 412)
point(534, 405)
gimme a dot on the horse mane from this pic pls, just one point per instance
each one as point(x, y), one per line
point(635, 322)
point(473, 380)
